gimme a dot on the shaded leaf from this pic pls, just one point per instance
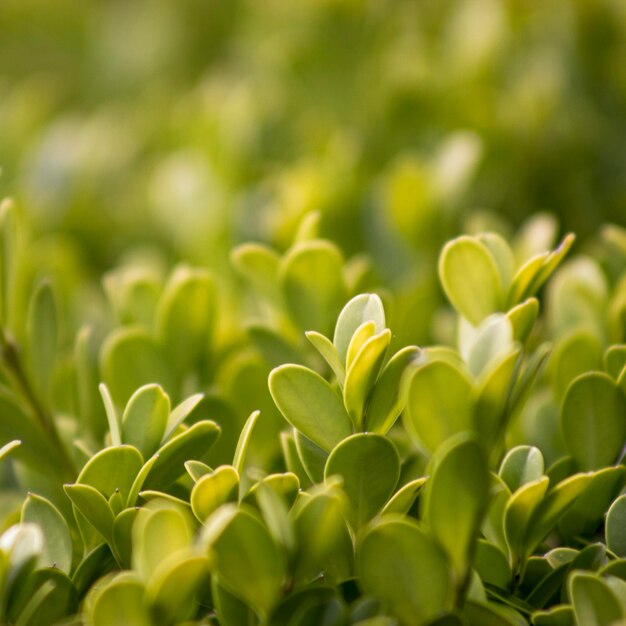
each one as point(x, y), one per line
point(455, 498)
point(387, 399)
point(311, 280)
point(420, 590)
point(194, 443)
point(592, 420)
point(369, 466)
point(439, 403)
point(57, 542)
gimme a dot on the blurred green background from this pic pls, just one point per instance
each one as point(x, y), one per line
point(198, 124)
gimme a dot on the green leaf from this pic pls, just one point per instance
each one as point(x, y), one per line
point(365, 307)
point(491, 395)
point(249, 564)
point(418, 591)
point(112, 469)
point(615, 360)
point(113, 418)
point(230, 610)
point(42, 333)
point(116, 503)
point(194, 443)
point(122, 535)
point(284, 484)
point(329, 353)
point(363, 333)
point(523, 318)
point(553, 506)
point(94, 564)
point(163, 498)
point(553, 260)
point(184, 318)
point(145, 419)
point(492, 565)
point(49, 598)
point(494, 339)
point(7, 448)
point(519, 511)
point(197, 469)
point(616, 527)
point(120, 603)
point(311, 280)
point(274, 509)
point(586, 514)
point(362, 374)
point(439, 404)
point(470, 278)
point(94, 507)
point(133, 293)
point(292, 458)
point(259, 265)
point(502, 254)
point(129, 359)
point(310, 404)
point(213, 490)
point(521, 286)
point(272, 346)
point(173, 587)
point(594, 602)
point(140, 478)
point(404, 498)
point(239, 460)
point(369, 466)
point(324, 542)
point(57, 542)
point(492, 614)
point(308, 228)
point(521, 465)
point(20, 547)
point(180, 413)
point(592, 420)
point(455, 498)
point(387, 399)
point(311, 456)
point(560, 615)
point(157, 535)
point(576, 353)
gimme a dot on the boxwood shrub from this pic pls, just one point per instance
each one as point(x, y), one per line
point(261, 447)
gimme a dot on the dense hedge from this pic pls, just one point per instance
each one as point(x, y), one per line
point(495, 499)
point(291, 328)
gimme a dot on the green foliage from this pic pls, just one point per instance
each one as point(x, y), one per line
point(262, 447)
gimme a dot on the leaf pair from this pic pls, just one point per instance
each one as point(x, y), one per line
point(436, 556)
point(164, 344)
point(147, 421)
point(370, 400)
point(479, 274)
point(307, 281)
point(168, 572)
point(448, 395)
point(525, 508)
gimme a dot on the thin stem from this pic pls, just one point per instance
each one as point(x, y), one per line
point(15, 371)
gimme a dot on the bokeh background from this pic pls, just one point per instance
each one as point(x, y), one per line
point(198, 124)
